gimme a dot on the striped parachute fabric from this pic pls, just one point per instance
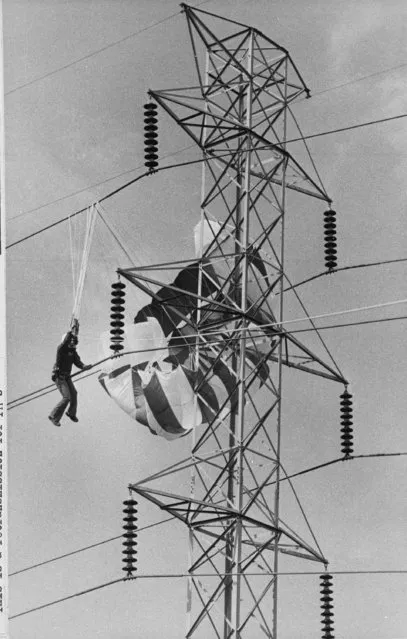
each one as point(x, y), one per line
point(168, 383)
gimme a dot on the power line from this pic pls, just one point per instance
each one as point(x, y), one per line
point(109, 195)
point(217, 575)
point(181, 150)
point(45, 388)
point(267, 572)
point(91, 186)
point(91, 55)
point(344, 268)
point(77, 594)
point(303, 472)
point(303, 138)
point(335, 461)
point(360, 323)
point(50, 388)
point(365, 77)
point(106, 197)
point(347, 128)
point(79, 550)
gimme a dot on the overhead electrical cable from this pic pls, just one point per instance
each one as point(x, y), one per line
point(360, 323)
point(106, 197)
point(344, 268)
point(216, 575)
point(158, 523)
point(175, 153)
point(335, 461)
point(92, 186)
point(77, 594)
point(79, 550)
point(94, 53)
point(12, 403)
point(50, 388)
point(347, 128)
point(364, 77)
point(121, 188)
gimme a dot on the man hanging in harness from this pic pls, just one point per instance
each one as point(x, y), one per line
point(61, 375)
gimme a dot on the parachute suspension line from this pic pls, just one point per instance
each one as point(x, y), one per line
point(71, 247)
point(326, 606)
point(90, 227)
point(130, 537)
point(346, 422)
point(117, 317)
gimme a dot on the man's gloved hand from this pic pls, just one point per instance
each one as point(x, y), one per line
point(87, 367)
point(54, 376)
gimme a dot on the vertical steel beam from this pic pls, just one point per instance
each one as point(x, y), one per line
point(280, 372)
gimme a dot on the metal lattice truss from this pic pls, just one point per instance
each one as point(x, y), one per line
point(227, 492)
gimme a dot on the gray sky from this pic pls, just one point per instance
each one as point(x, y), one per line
point(82, 124)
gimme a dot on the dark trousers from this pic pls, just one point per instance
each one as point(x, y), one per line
point(69, 396)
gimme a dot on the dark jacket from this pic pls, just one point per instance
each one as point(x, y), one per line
point(66, 356)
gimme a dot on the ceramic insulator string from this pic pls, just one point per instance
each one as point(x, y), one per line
point(150, 137)
point(130, 537)
point(346, 422)
point(330, 239)
point(117, 317)
point(326, 606)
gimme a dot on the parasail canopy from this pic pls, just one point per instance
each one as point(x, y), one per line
point(180, 364)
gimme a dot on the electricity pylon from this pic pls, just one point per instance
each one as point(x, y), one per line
point(238, 114)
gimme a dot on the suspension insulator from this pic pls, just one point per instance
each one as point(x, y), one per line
point(326, 606)
point(150, 137)
point(346, 422)
point(130, 537)
point(117, 317)
point(330, 239)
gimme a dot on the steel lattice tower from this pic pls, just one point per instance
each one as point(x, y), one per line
point(238, 116)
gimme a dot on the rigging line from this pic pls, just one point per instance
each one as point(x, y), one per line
point(346, 128)
point(77, 594)
point(304, 330)
point(91, 186)
point(90, 227)
point(344, 268)
point(71, 247)
point(75, 552)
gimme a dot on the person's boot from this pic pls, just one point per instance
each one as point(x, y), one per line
point(54, 421)
point(73, 417)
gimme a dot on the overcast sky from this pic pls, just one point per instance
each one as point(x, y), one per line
point(76, 77)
